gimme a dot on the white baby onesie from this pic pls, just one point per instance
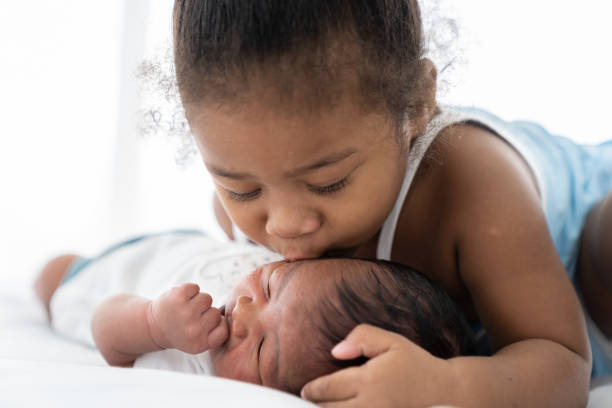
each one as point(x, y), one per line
point(148, 268)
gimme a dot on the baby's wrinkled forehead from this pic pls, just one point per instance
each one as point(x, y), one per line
point(312, 284)
point(332, 267)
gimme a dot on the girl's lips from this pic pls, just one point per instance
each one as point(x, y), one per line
point(340, 253)
point(293, 256)
point(295, 253)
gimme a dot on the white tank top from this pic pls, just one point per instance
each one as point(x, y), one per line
point(445, 118)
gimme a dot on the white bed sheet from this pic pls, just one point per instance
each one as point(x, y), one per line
point(40, 369)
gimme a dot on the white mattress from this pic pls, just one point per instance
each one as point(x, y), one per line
point(40, 369)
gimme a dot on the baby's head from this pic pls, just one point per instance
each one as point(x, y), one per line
point(285, 318)
point(303, 112)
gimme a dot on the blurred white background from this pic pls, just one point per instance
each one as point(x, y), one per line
point(75, 175)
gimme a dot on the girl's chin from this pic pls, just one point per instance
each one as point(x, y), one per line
point(298, 256)
point(340, 253)
point(331, 253)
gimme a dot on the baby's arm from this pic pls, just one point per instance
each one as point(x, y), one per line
point(127, 326)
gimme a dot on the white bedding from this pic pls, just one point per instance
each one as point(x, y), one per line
point(40, 369)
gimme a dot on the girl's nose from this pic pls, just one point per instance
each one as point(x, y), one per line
point(289, 222)
point(242, 316)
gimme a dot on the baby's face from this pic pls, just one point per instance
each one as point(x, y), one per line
point(272, 315)
point(301, 183)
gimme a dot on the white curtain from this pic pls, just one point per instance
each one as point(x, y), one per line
point(76, 174)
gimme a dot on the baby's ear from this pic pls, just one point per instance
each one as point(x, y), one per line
point(424, 98)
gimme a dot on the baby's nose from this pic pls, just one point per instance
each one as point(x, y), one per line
point(242, 300)
point(241, 316)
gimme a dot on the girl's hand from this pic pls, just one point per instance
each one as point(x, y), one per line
point(183, 318)
point(398, 374)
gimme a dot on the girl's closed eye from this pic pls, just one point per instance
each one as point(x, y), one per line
point(313, 187)
point(330, 188)
point(320, 190)
point(251, 195)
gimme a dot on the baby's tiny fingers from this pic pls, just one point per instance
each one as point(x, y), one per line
point(218, 335)
point(201, 302)
point(188, 290)
point(211, 318)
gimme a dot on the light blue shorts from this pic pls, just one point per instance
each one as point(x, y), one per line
point(589, 183)
point(596, 186)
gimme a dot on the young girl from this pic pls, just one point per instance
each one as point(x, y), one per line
point(319, 124)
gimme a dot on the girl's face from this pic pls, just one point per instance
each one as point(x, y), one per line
point(301, 184)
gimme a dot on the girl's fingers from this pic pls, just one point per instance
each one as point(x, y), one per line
point(342, 385)
point(365, 340)
point(350, 403)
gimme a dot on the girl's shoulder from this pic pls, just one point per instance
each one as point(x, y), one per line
point(469, 165)
point(473, 216)
point(468, 154)
point(468, 172)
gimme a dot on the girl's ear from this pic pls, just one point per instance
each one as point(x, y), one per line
point(424, 100)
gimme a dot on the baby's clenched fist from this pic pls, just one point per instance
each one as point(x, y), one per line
point(183, 318)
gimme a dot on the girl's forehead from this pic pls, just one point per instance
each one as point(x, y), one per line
point(256, 133)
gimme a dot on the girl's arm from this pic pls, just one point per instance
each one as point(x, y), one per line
point(517, 282)
point(127, 326)
point(506, 259)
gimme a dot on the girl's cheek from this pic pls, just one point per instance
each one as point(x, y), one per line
point(247, 219)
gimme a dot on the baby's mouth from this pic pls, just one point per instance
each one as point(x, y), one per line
point(226, 313)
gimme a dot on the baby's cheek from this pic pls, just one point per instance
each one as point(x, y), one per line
point(231, 364)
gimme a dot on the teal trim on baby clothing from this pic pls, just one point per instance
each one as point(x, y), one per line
point(79, 264)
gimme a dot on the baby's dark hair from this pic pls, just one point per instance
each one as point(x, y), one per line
point(306, 48)
point(393, 297)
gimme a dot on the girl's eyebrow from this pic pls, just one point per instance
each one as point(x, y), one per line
point(228, 174)
point(325, 161)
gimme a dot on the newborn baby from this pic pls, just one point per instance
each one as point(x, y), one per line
point(276, 327)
